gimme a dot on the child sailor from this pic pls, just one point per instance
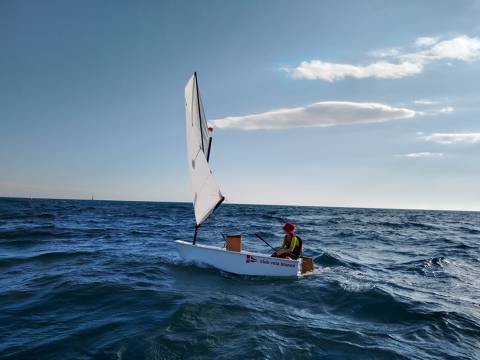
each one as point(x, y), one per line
point(292, 244)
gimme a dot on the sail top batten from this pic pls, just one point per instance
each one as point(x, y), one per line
point(206, 193)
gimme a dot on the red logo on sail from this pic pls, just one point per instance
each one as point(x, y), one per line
point(250, 259)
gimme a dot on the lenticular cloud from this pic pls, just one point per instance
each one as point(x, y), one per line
point(320, 114)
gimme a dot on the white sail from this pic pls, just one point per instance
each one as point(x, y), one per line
point(206, 193)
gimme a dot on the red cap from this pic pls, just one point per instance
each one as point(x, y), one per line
point(210, 128)
point(289, 228)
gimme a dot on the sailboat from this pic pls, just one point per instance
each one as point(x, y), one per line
point(207, 197)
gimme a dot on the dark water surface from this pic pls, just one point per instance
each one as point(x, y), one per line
point(102, 280)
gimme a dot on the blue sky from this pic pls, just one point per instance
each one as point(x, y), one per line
point(91, 100)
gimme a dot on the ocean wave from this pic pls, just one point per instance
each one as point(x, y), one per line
point(330, 260)
point(468, 230)
point(44, 257)
point(371, 303)
point(426, 266)
point(410, 225)
point(21, 234)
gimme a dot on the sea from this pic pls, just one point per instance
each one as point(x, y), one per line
point(87, 279)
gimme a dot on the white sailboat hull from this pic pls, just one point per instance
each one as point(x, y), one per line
point(240, 263)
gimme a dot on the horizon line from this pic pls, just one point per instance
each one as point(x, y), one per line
point(247, 204)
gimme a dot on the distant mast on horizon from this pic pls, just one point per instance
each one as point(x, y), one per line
point(92, 197)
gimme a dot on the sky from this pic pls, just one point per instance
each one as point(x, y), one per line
point(324, 103)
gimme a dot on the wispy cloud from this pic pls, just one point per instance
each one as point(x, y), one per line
point(320, 114)
point(426, 41)
point(397, 64)
point(385, 52)
point(439, 111)
point(446, 110)
point(452, 138)
point(424, 102)
point(423, 155)
point(428, 108)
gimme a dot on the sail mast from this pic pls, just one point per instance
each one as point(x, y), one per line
point(209, 148)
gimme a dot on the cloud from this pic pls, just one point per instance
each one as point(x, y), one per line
point(397, 65)
point(424, 102)
point(320, 114)
point(428, 110)
point(453, 138)
point(440, 111)
point(462, 48)
point(423, 154)
point(385, 52)
point(446, 110)
point(320, 70)
point(426, 41)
